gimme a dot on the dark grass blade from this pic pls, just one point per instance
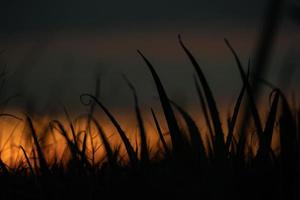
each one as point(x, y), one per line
point(144, 148)
point(77, 155)
point(244, 77)
point(175, 132)
point(10, 115)
point(42, 161)
point(71, 144)
point(28, 161)
point(233, 119)
point(92, 110)
point(130, 151)
point(160, 134)
point(203, 106)
point(266, 138)
point(219, 135)
point(71, 126)
point(195, 135)
point(109, 151)
point(251, 102)
point(83, 151)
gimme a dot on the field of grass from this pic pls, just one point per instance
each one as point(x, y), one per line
point(246, 156)
point(236, 162)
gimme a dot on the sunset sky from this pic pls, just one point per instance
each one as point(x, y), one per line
point(54, 50)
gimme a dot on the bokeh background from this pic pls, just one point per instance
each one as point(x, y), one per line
point(54, 50)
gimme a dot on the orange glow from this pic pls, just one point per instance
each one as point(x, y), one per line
point(15, 133)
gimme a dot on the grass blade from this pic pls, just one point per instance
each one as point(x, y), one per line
point(42, 161)
point(143, 138)
point(265, 142)
point(77, 155)
point(203, 106)
point(195, 136)
point(28, 161)
point(219, 135)
point(109, 152)
point(251, 102)
point(160, 134)
point(71, 126)
point(175, 133)
point(236, 110)
point(130, 151)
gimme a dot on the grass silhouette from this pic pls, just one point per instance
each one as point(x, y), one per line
point(217, 163)
point(212, 165)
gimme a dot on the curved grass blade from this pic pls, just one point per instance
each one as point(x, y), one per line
point(160, 134)
point(73, 148)
point(130, 151)
point(71, 126)
point(77, 155)
point(266, 138)
point(219, 135)
point(27, 160)
point(203, 106)
point(143, 138)
point(195, 135)
point(251, 102)
point(42, 161)
point(109, 152)
point(236, 110)
point(175, 133)
point(10, 115)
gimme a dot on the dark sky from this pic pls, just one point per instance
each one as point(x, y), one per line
point(50, 14)
point(54, 50)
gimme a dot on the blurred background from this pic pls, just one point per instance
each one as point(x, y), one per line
point(53, 51)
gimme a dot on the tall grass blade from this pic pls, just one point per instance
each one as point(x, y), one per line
point(160, 134)
point(251, 101)
point(130, 151)
point(84, 147)
point(28, 161)
point(175, 133)
point(195, 135)
point(219, 135)
point(71, 126)
point(144, 148)
point(71, 144)
point(233, 119)
point(77, 155)
point(109, 152)
point(265, 142)
point(42, 161)
point(203, 106)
